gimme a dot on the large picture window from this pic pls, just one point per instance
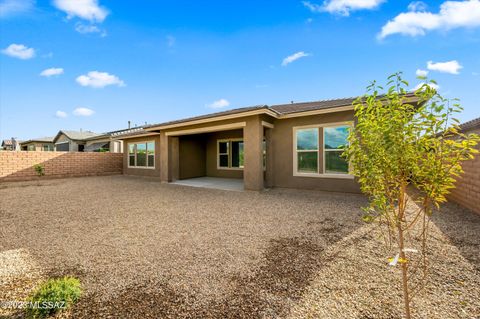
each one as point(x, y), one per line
point(141, 155)
point(318, 150)
point(230, 154)
point(335, 141)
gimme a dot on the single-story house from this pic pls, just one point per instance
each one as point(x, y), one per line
point(87, 141)
point(38, 144)
point(7, 145)
point(72, 141)
point(295, 145)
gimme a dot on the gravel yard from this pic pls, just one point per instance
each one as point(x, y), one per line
point(143, 249)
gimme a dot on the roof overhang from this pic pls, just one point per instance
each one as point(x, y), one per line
point(137, 135)
point(214, 119)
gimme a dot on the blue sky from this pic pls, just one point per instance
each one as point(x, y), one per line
point(107, 62)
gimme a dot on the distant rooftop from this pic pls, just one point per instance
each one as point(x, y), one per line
point(473, 124)
point(47, 139)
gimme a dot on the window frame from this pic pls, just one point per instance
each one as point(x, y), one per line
point(321, 148)
point(48, 146)
point(135, 154)
point(229, 153)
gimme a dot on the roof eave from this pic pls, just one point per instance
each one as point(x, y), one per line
point(263, 110)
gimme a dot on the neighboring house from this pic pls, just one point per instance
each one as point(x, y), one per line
point(297, 145)
point(38, 144)
point(11, 145)
point(87, 141)
point(108, 142)
point(72, 141)
point(7, 145)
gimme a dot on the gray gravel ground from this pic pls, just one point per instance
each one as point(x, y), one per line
point(143, 249)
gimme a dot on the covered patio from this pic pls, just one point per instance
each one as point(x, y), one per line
point(229, 156)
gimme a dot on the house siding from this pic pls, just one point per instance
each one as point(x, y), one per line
point(195, 155)
point(153, 172)
point(282, 154)
point(212, 169)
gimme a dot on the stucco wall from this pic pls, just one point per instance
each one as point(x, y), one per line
point(155, 172)
point(17, 166)
point(73, 145)
point(38, 146)
point(192, 156)
point(190, 159)
point(282, 155)
point(212, 169)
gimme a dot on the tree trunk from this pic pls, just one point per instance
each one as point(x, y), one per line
point(401, 246)
point(406, 297)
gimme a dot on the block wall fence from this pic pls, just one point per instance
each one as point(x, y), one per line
point(467, 191)
point(19, 166)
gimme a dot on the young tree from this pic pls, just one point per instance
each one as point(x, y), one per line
point(406, 141)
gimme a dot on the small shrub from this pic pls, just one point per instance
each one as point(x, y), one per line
point(53, 295)
point(39, 169)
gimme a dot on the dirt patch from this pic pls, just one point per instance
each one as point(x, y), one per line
point(143, 249)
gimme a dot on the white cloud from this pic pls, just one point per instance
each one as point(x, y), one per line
point(343, 7)
point(422, 73)
point(19, 51)
point(289, 59)
point(83, 111)
point(452, 67)
point(171, 41)
point(432, 85)
point(417, 6)
point(452, 14)
point(83, 28)
point(61, 114)
point(13, 7)
point(85, 9)
point(312, 6)
point(97, 79)
point(218, 104)
point(51, 72)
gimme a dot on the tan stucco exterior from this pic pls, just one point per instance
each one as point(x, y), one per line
point(153, 172)
point(191, 151)
point(72, 145)
point(36, 146)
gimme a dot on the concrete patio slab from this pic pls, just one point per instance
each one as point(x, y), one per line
point(229, 184)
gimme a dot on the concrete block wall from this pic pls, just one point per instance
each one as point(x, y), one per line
point(18, 166)
point(467, 191)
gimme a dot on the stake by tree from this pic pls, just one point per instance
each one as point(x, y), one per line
point(407, 142)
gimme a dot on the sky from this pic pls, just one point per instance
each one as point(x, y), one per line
point(97, 64)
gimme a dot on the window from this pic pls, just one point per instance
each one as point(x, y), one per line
point(141, 155)
point(31, 147)
point(335, 141)
point(311, 158)
point(307, 150)
point(230, 154)
point(47, 147)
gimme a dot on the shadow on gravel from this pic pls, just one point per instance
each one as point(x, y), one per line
point(290, 264)
point(462, 227)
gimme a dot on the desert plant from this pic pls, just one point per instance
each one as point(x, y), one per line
point(403, 141)
point(39, 169)
point(52, 296)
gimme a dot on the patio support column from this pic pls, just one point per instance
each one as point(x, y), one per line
point(269, 158)
point(164, 158)
point(253, 144)
point(169, 158)
point(174, 158)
